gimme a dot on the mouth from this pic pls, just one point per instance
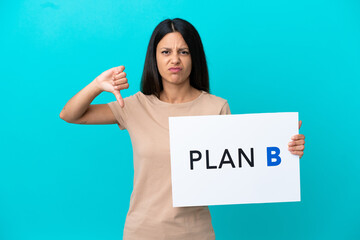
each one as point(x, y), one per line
point(175, 69)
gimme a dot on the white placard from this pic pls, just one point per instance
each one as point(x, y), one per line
point(233, 159)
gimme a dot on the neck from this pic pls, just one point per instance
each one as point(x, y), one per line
point(178, 93)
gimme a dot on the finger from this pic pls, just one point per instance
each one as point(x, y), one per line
point(117, 70)
point(119, 98)
point(120, 69)
point(298, 142)
point(118, 76)
point(121, 86)
point(299, 153)
point(298, 137)
point(119, 82)
point(296, 148)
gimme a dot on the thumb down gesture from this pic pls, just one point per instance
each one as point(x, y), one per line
point(113, 80)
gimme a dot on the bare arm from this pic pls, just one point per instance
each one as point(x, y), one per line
point(78, 109)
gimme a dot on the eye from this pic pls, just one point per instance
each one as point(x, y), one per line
point(184, 52)
point(165, 52)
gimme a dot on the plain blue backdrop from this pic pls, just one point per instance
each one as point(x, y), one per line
point(68, 181)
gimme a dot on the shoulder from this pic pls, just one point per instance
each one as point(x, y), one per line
point(129, 101)
point(136, 98)
point(213, 99)
point(220, 104)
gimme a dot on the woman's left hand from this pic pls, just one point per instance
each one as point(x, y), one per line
point(297, 144)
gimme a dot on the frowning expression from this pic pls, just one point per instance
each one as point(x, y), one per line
point(173, 59)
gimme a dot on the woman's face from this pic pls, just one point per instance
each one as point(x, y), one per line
point(173, 59)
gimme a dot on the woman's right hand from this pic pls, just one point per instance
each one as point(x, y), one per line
point(113, 80)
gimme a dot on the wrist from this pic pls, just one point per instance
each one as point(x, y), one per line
point(95, 86)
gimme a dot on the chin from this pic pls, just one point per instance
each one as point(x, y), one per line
point(175, 81)
point(178, 82)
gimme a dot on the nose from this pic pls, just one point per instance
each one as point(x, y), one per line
point(175, 58)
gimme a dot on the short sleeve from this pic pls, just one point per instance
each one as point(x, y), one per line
point(225, 110)
point(119, 113)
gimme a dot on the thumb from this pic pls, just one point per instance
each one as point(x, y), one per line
point(300, 122)
point(119, 98)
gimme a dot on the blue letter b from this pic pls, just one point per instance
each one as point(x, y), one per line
point(271, 156)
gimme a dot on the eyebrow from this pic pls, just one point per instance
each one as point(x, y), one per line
point(170, 48)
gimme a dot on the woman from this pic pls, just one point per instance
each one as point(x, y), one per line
point(175, 82)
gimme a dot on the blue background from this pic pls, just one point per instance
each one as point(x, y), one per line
point(68, 181)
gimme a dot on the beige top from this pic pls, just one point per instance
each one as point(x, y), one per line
point(151, 214)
